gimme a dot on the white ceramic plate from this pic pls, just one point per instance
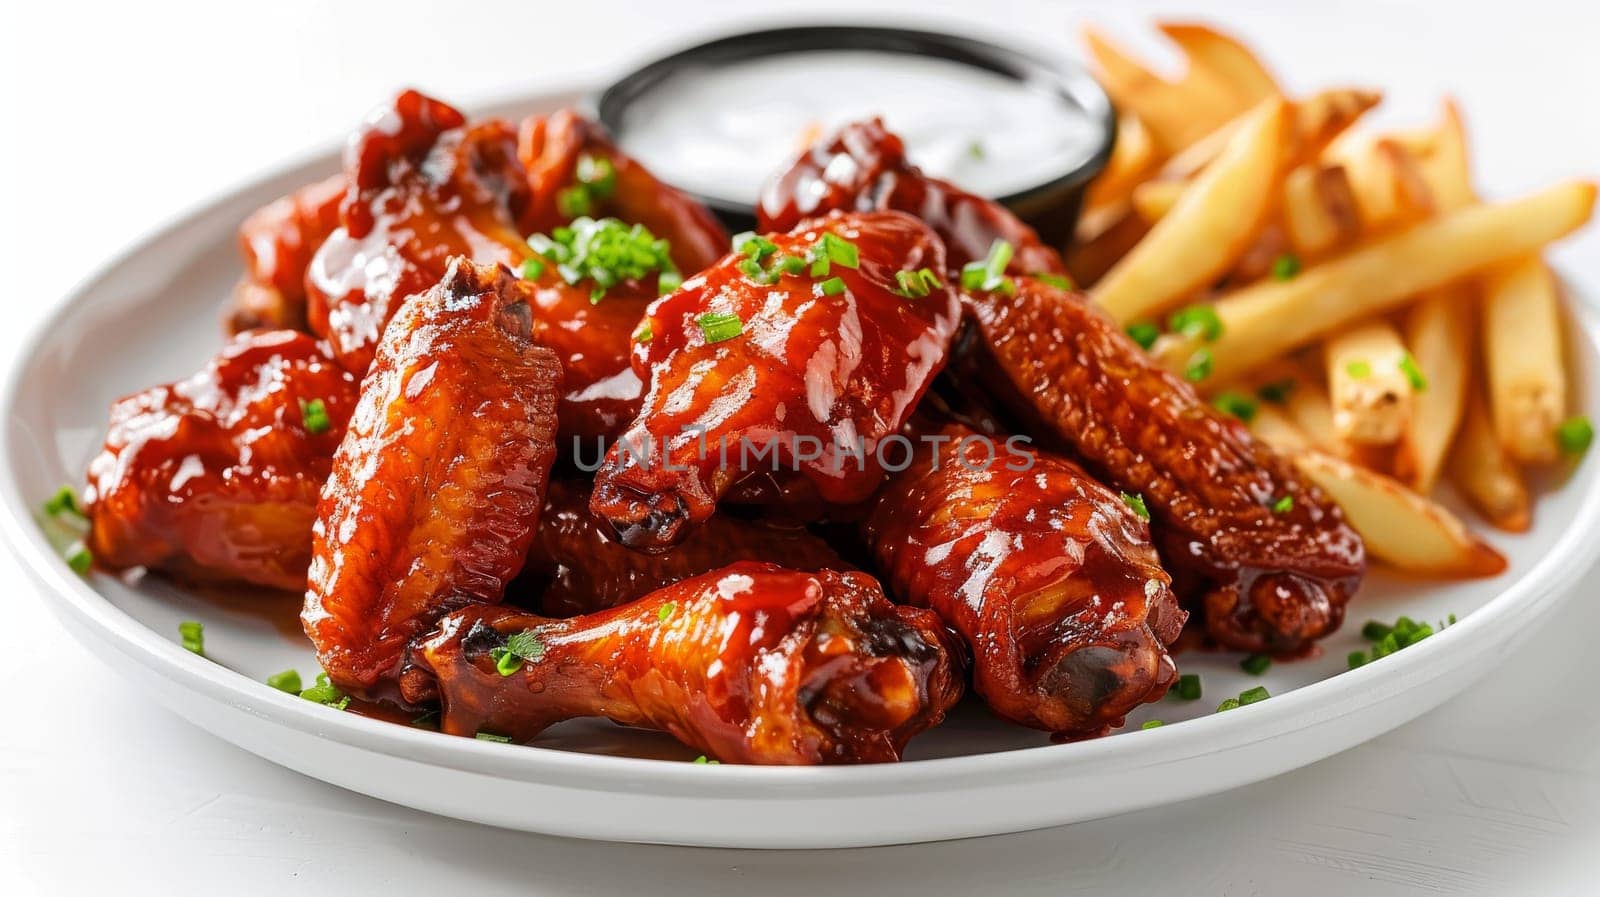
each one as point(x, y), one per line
point(152, 316)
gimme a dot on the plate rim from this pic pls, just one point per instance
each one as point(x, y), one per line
point(1530, 596)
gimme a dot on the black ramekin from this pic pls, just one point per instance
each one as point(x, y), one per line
point(1052, 206)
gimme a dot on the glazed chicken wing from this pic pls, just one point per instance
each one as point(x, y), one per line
point(1268, 581)
point(775, 367)
point(750, 664)
point(437, 487)
point(1049, 577)
point(863, 167)
point(277, 243)
point(574, 169)
point(1270, 558)
point(581, 567)
point(215, 478)
point(422, 188)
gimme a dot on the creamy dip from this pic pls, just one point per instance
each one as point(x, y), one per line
point(723, 130)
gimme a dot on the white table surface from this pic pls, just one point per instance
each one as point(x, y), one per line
point(119, 115)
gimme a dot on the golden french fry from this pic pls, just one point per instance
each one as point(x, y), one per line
point(1308, 405)
point(1438, 334)
point(1388, 182)
point(1276, 429)
point(1266, 319)
point(1154, 199)
point(1177, 113)
point(1522, 349)
point(1227, 60)
point(1368, 383)
point(1206, 231)
point(1399, 526)
point(1446, 165)
point(1319, 210)
point(1484, 474)
point(1134, 158)
point(1314, 123)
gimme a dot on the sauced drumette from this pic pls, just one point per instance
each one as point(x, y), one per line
point(796, 354)
point(750, 664)
point(1264, 553)
point(1049, 576)
point(215, 478)
point(580, 567)
point(277, 242)
point(437, 487)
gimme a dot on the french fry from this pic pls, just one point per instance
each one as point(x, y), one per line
point(1438, 334)
point(1319, 210)
point(1314, 123)
point(1446, 165)
point(1154, 199)
point(1206, 231)
point(1267, 319)
point(1134, 157)
point(1399, 526)
point(1368, 383)
point(1522, 348)
point(1387, 180)
point(1484, 474)
point(1311, 410)
point(1177, 113)
point(1276, 429)
point(1225, 59)
point(1101, 244)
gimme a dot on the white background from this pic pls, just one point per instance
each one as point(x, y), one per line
point(119, 115)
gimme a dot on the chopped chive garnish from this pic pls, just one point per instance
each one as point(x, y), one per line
point(1196, 322)
point(916, 284)
point(1408, 366)
point(64, 501)
point(1228, 704)
point(754, 246)
point(1285, 266)
point(1144, 333)
point(325, 692)
point(840, 251)
point(605, 253)
point(1136, 502)
point(288, 680)
point(665, 612)
point(1059, 281)
point(596, 180)
point(490, 736)
point(1574, 435)
point(531, 269)
point(1255, 664)
point(1283, 505)
point(520, 647)
point(645, 333)
point(989, 274)
point(1374, 631)
point(1199, 366)
point(719, 326)
point(1356, 659)
point(193, 635)
point(833, 286)
point(1237, 404)
point(314, 414)
point(703, 760)
point(78, 557)
point(1253, 695)
point(1188, 687)
point(1152, 724)
point(975, 149)
point(1277, 391)
point(1358, 370)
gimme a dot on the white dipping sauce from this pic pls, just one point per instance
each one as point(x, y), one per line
point(723, 130)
